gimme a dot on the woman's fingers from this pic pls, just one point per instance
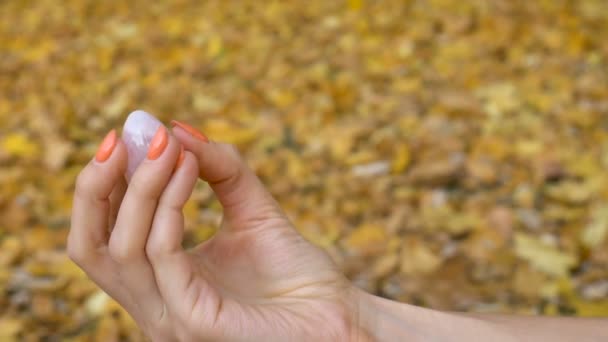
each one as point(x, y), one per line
point(91, 208)
point(244, 198)
point(181, 287)
point(128, 240)
point(129, 237)
point(147, 222)
point(118, 193)
point(88, 238)
point(168, 226)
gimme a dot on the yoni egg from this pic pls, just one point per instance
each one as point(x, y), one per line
point(137, 133)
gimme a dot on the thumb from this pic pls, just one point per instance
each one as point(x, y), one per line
point(243, 196)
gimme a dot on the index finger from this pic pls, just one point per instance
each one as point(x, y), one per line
point(91, 207)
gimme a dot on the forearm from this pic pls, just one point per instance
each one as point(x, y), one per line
point(385, 320)
point(534, 328)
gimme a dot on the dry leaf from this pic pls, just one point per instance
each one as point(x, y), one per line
point(544, 257)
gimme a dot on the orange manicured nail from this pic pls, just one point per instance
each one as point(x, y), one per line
point(193, 131)
point(181, 157)
point(158, 143)
point(107, 146)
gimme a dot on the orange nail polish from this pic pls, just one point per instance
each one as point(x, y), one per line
point(158, 143)
point(181, 157)
point(107, 146)
point(193, 131)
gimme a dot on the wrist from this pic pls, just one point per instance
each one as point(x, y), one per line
point(380, 319)
point(362, 314)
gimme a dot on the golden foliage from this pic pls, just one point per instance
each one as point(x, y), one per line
point(421, 143)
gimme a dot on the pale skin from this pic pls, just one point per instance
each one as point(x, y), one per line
point(257, 279)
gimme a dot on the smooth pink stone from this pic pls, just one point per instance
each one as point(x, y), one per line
point(138, 131)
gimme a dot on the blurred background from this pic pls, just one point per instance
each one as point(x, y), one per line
point(450, 154)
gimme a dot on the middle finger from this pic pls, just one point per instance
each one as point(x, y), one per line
point(128, 239)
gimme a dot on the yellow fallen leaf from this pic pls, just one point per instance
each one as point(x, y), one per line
point(222, 130)
point(368, 239)
point(11, 250)
point(205, 103)
point(586, 308)
point(355, 5)
point(108, 330)
point(56, 157)
point(214, 46)
point(43, 307)
point(596, 231)
point(96, 303)
point(401, 160)
point(417, 258)
point(9, 328)
point(203, 233)
point(545, 258)
point(385, 265)
point(19, 145)
point(282, 98)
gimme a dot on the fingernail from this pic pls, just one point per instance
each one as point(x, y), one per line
point(107, 146)
point(158, 143)
point(193, 131)
point(181, 157)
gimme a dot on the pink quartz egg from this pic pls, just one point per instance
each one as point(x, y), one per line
point(138, 131)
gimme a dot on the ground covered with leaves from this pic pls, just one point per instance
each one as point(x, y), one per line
point(451, 154)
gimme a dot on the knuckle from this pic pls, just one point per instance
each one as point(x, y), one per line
point(157, 248)
point(234, 154)
point(170, 205)
point(152, 250)
point(235, 178)
point(144, 187)
point(121, 253)
point(78, 254)
point(84, 182)
point(233, 151)
point(74, 254)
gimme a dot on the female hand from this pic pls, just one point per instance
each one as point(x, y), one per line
point(256, 279)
